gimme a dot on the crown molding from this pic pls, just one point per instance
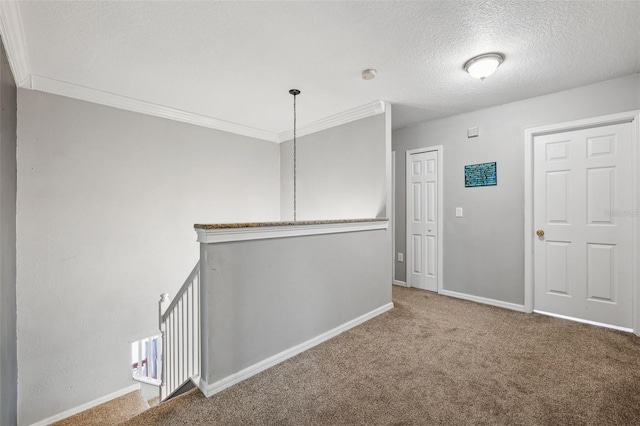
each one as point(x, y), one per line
point(14, 42)
point(70, 90)
point(62, 88)
point(358, 113)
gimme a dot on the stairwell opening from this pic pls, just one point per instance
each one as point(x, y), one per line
point(146, 358)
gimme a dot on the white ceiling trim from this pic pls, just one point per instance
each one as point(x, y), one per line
point(14, 42)
point(56, 87)
point(62, 88)
point(358, 113)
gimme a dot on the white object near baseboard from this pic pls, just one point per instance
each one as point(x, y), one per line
point(400, 283)
point(87, 406)
point(222, 384)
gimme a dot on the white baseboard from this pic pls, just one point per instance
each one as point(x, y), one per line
point(400, 283)
point(486, 301)
point(202, 385)
point(598, 324)
point(87, 406)
point(241, 375)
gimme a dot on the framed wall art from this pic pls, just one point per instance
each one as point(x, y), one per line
point(484, 174)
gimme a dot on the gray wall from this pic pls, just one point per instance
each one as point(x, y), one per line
point(107, 200)
point(484, 250)
point(266, 296)
point(341, 172)
point(8, 347)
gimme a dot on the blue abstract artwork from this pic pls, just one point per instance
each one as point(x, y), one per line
point(484, 174)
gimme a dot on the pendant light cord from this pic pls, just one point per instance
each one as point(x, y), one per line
point(295, 92)
point(295, 163)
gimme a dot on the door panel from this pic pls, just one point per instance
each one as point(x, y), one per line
point(557, 208)
point(557, 267)
point(417, 202)
point(431, 256)
point(601, 263)
point(430, 204)
point(416, 258)
point(583, 202)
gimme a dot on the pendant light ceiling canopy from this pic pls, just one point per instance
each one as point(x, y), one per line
point(483, 66)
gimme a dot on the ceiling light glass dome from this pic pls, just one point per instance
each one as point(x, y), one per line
point(483, 66)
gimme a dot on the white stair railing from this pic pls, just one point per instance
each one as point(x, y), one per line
point(180, 328)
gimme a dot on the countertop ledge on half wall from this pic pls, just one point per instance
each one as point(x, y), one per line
point(225, 232)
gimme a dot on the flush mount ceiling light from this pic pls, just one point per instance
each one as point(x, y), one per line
point(483, 66)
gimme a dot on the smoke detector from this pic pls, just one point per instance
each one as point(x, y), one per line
point(369, 74)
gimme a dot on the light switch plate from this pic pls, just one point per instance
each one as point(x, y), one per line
point(472, 132)
point(458, 211)
point(400, 257)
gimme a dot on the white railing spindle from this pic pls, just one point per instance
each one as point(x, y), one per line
point(180, 327)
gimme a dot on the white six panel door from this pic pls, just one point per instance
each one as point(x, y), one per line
point(583, 203)
point(423, 220)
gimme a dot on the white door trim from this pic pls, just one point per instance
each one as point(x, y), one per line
point(393, 217)
point(529, 135)
point(439, 149)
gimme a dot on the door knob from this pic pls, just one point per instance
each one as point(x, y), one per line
point(540, 233)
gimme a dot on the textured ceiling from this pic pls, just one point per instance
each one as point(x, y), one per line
point(235, 61)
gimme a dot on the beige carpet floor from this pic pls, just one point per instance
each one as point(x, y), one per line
point(436, 360)
point(113, 412)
